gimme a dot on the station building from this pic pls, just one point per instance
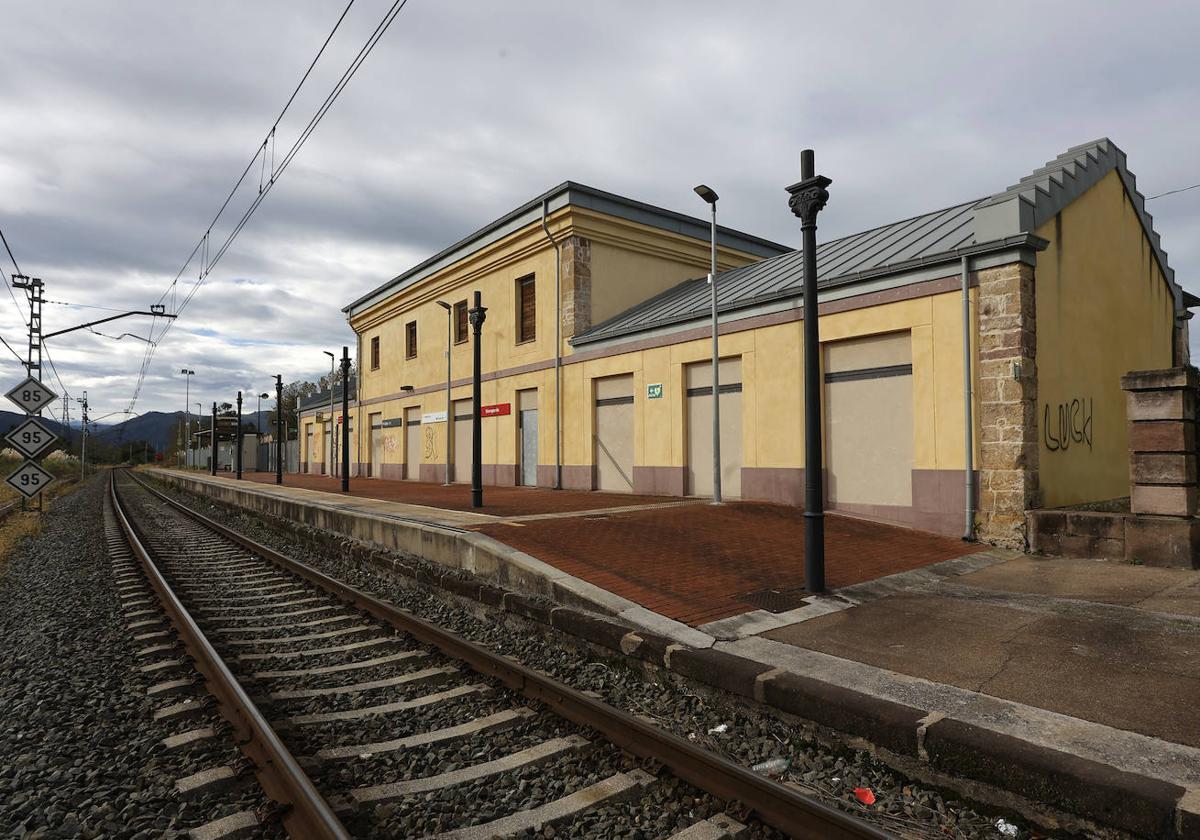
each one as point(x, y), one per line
point(971, 356)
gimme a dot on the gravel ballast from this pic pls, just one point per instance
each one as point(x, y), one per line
point(749, 736)
point(82, 756)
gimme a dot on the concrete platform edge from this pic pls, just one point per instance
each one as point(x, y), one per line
point(1045, 771)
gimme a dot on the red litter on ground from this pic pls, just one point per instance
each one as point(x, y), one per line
point(865, 796)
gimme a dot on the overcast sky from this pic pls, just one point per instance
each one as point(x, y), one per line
point(125, 124)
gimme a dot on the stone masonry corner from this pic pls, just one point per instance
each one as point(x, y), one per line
point(1008, 469)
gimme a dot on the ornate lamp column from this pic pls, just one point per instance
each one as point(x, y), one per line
point(477, 314)
point(808, 199)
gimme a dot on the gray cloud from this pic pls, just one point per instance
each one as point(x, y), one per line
point(133, 119)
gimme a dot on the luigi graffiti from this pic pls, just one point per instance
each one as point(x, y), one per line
point(1068, 423)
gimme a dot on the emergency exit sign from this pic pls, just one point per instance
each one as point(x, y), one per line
point(654, 391)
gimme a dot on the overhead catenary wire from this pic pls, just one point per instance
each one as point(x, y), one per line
point(1173, 192)
point(258, 150)
point(8, 285)
point(4, 239)
point(204, 245)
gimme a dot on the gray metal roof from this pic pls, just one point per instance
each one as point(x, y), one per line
point(321, 398)
point(578, 195)
point(941, 236)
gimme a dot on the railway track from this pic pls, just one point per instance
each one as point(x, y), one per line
point(361, 719)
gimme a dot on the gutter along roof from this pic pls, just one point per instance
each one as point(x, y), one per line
point(568, 193)
point(998, 222)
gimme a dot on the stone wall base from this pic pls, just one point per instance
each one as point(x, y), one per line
point(1167, 541)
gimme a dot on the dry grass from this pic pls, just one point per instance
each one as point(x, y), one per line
point(20, 524)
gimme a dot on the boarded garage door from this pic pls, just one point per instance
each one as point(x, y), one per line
point(527, 405)
point(376, 461)
point(869, 420)
point(330, 453)
point(412, 443)
point(699, 428)
point(462, 441)
point(614, 434)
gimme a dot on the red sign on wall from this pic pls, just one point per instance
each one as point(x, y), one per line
point(496, 410)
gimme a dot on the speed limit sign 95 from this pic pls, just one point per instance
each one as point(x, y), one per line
point(29, 479)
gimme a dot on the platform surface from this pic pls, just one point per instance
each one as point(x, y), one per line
point(1023, 643)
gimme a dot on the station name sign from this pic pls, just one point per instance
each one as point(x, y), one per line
point(497, 410)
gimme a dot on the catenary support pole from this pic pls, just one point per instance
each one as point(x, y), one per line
point(237, 440)
point(478, 315)
point(808, 198)
point(83, 440)
point(345, 419)
point(279, 443)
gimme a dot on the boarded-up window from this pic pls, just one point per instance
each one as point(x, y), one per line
point(460, 322)
point(375, 353)
point(526, 310)
point(410, 340)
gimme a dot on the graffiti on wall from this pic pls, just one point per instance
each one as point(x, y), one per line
point(1068, 423)
point(430, 453)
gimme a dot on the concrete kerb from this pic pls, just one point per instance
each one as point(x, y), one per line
point(1038, 770)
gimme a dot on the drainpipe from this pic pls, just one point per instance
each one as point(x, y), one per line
point(969, 426)
point(557, 350)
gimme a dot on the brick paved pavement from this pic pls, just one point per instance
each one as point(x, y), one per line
point(694, 563)
point(498, 501)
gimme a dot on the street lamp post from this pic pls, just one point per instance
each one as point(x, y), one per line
point(449, 409)
point(237, 439)
point(345, 419)
point(187, 418)
point(332, 426)
point(279, 442)
point(710, 196)
point(258, 429)
point(477, 315)
point(212, 436)
point(808, 198)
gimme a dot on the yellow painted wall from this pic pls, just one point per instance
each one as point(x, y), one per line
point(772, 366)
point(1103, 309)
point(622, 279)
point(630, 262)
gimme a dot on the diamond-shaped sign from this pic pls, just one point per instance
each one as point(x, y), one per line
point(29, 479)
point(31, 396)
point(30, 437)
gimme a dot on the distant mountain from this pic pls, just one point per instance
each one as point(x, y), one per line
point(8, 419)
point(159, 428)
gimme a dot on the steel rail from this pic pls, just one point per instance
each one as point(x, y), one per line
point(306, 813)
point(773, 802)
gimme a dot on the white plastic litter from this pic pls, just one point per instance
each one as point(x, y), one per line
point(719, 730)
point(1006, 828)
